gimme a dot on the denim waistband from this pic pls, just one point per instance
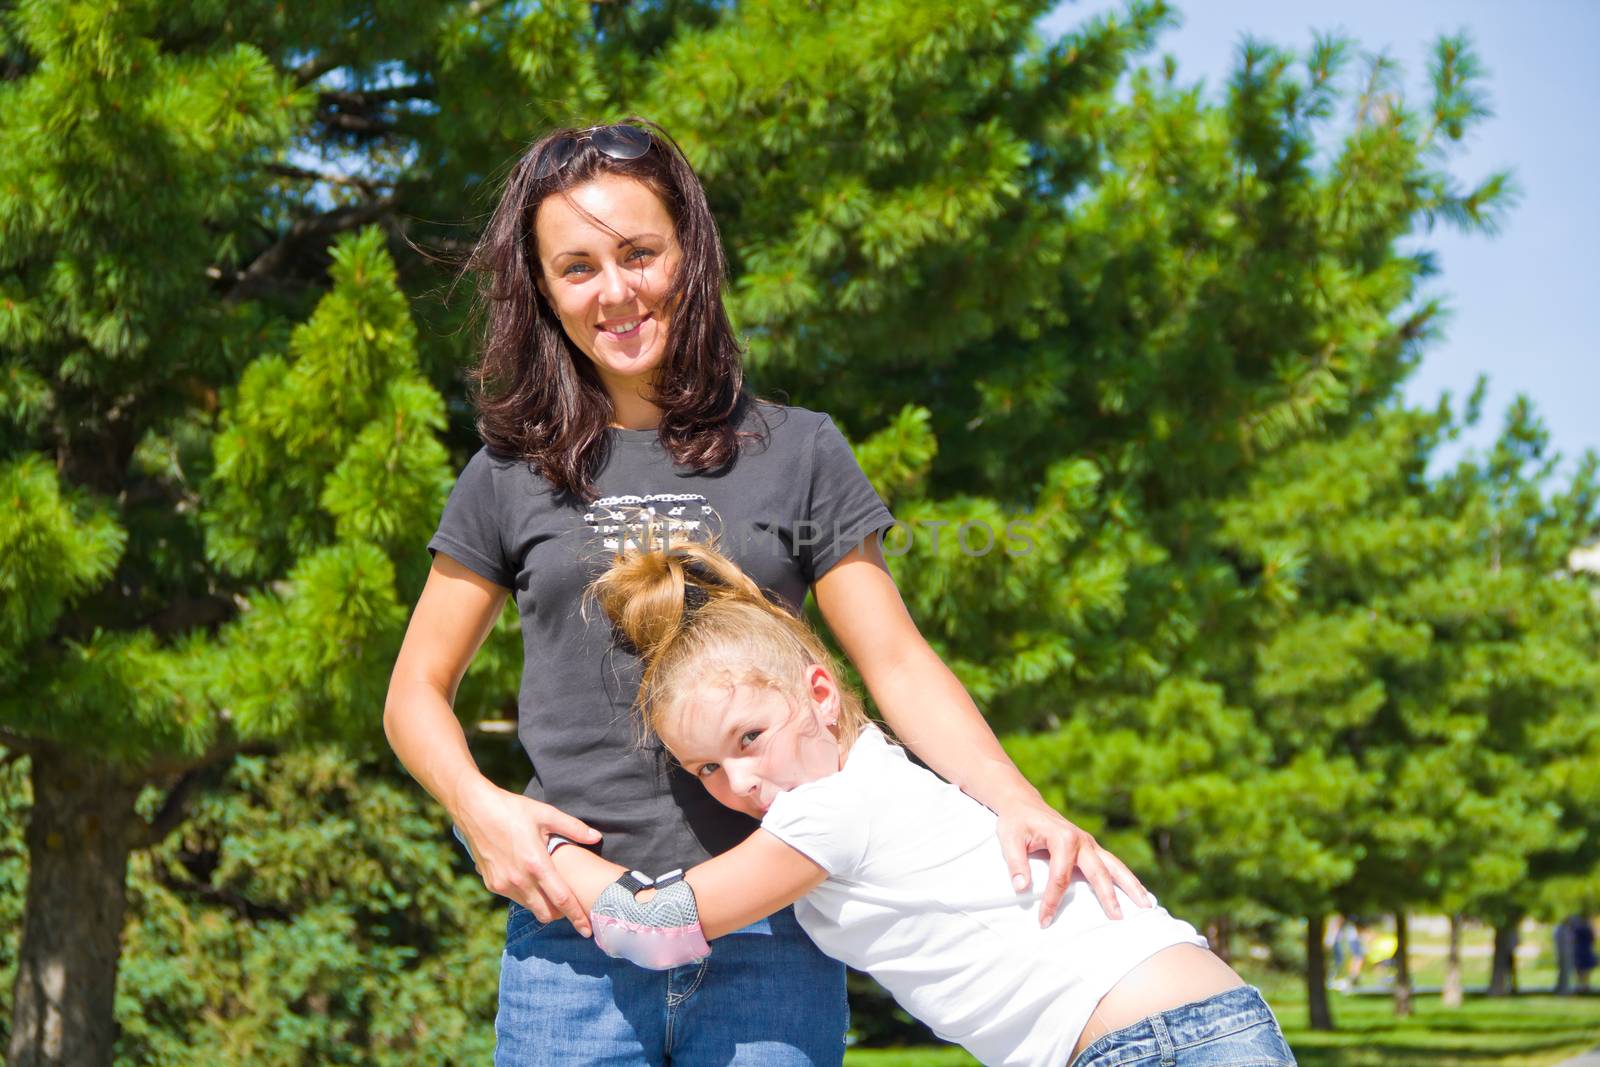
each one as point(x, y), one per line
point(1202, 1020)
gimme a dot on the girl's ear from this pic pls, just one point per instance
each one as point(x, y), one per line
point(824, 694)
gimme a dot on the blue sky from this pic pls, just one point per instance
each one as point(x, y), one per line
point(1524, 304)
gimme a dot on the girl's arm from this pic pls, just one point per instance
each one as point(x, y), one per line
point(748, 882)
point(929, 709)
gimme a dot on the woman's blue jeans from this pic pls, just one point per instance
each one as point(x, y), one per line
point(764, 996)
point(1231, 1029)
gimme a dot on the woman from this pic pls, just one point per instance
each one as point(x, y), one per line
point(610, 384)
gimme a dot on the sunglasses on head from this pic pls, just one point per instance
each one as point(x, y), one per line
point(619, 142)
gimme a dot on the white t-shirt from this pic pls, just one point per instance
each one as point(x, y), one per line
point(918, 895)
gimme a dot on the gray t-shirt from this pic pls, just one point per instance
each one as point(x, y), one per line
point(785, 510)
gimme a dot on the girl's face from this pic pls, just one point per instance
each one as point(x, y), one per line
point(608, 291)
point(748, 743)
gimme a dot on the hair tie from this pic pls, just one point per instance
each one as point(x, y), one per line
point(694, 598)
point(696, 568)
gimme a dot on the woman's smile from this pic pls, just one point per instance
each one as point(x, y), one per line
point(623, 329)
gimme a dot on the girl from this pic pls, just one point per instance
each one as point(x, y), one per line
point(889, 868)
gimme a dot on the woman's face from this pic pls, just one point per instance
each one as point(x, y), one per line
point(748, 743)
point(607, 291)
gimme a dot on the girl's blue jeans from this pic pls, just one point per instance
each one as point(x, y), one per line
point(1231, 1029)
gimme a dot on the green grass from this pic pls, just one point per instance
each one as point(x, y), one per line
point(907, 1057)
point(1522, 1031)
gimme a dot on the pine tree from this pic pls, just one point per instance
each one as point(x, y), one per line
point(1239, 303)
point(325, 467)
point(164, 585)
point(1431, 647)
point(1522, 628)
point(119, 174)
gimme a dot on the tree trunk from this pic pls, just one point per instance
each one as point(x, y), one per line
point(1503, 973)
point(1451, 994)
point(1317, 974)
point(80, 832)
point(1402, 966)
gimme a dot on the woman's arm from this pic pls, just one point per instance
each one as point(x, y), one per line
point(750, 881)
point(506, 830)
point(929, 709)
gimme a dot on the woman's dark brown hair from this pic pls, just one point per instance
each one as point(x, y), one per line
point(537, 395)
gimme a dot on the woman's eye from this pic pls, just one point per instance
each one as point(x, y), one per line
point(749, 736)
point(636, 254)
point(708, 769)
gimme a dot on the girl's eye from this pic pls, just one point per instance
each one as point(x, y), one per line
point(749, 736)
point(708, 769)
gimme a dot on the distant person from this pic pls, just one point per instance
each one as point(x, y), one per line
point(1358, 951)
point(1335, 941)
point(1349, 953)
point(1582, 949)
point(1562, 935)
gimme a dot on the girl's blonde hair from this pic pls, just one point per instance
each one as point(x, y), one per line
point(692, 615)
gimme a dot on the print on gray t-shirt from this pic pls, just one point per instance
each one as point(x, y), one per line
point(675, 516)
point(787, 509)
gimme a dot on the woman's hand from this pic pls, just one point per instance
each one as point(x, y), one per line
point(930, 711)
point(507, 835)
point(1033, 826)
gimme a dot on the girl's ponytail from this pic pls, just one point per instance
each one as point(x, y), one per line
point(691, 614)
point(649, 594)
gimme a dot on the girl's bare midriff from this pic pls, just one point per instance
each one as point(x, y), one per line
point(1174, 976)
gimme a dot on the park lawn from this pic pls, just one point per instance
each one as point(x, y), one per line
point(1522, 1031)
point(907, 1057)
point(1534, 1030)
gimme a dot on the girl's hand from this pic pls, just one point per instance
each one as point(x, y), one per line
point(1034, 826)
point(506, 834)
